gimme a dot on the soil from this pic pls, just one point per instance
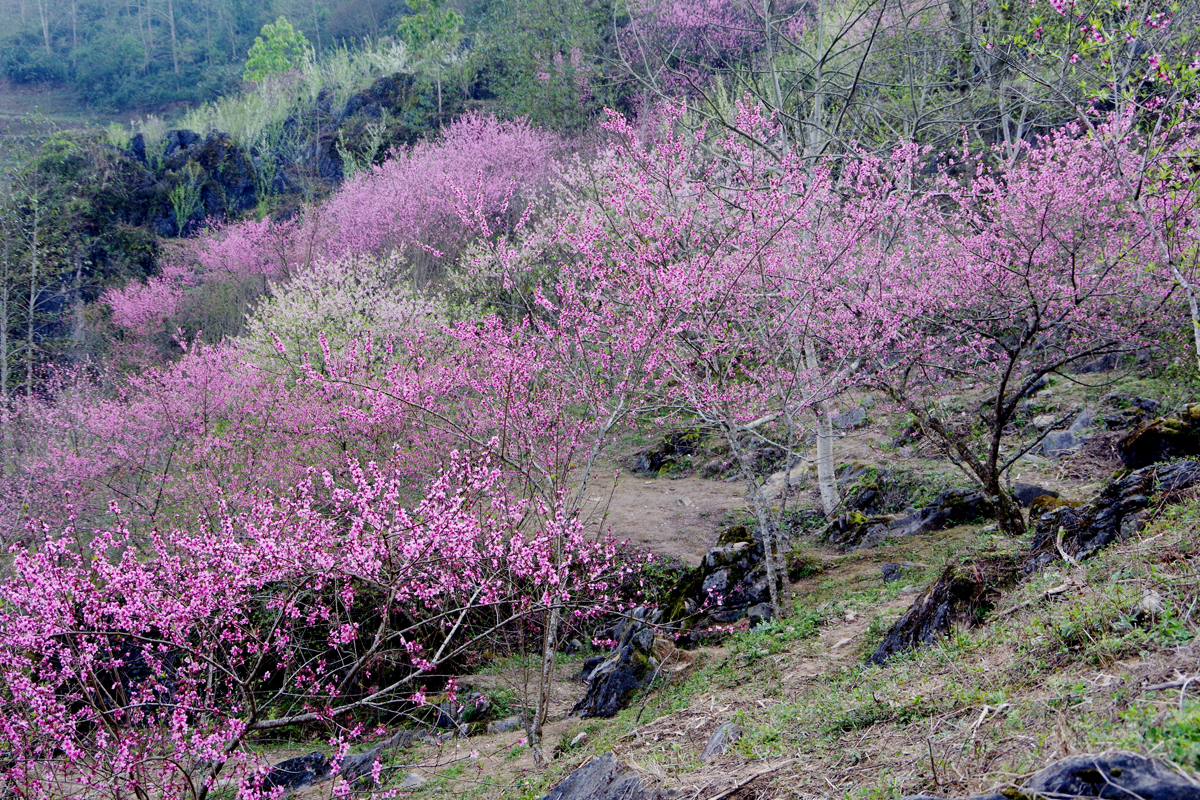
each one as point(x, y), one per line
point(672, 517)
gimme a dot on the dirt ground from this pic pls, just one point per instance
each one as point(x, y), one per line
point(672, 517)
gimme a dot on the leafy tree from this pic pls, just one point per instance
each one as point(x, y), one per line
point(429, 23)
point(282, 49)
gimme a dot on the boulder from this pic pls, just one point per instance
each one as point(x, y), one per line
point(1026, 493)
point(850, 419)
point(759, 614)
point(179, 139)
point(960, 595)
point(1162, 439)
point(297, 772)
point(730, 580)
point(874, 493)
point(412, 781)
point(612, 680)
point(669, 453)
point(1061, 443)
point(604, 778)
point(954, 507)
point(391, 92)
point(505, 725)
point(895, 571)
point(1104, 363)
point(1114, 514)
point(726, 734)
point(1111, 776)
point(302, 771)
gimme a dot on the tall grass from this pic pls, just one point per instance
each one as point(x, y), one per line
point(251, 116)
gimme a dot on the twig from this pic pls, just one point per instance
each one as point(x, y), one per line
point(1062, 587)
point(1179, 684)
point(746, 781)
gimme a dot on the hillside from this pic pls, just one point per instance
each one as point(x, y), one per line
point(1075, 658)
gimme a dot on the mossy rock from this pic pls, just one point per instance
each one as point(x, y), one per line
point(734, 534)
point(1047, 503)
point(1162, 439)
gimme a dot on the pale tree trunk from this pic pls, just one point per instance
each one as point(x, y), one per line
point(44, 14)
point(317, 24)
point(34, 269)
point(174, 39)
point(826, 475)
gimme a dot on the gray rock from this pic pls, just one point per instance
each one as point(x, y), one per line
point(1104, 363)
point(716, 582)
point(1043, 421)
point(1111, 515)
point(297, 772)
point(725, 735)
point(1083, 421)
point(505, 725)
point(1109, 776)
point(613, 680)
point(760, 613)
point(1026, 493)
point(1113, 776)
point(412, 781)
point(953, 507)
point(604, 778)
point(1060, 443)
point(850, 419)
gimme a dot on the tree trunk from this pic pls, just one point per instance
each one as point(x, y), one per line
point(44, 14)
point(5, 364)
point(317, 25)
point(545, 686)
point(768, 528)
point(174, 39)
point(31, 322)
point(826, 476)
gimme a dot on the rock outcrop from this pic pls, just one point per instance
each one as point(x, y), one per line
point(856, 530)
point(963, 592)
point(613, 679)
point(1109, 776)
point(730, 582)
point(672, 452)
point(960, 596)
point(1115, 513)
point(604, 778)
point(1162, 439)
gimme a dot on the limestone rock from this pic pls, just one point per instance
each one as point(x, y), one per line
point(726, 734)
point(959, 596)
point(604, 778)
point(1162, 439)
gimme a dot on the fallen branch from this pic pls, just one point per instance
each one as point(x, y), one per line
point(748, 780)
point(1179, 684)
point(1062, 587)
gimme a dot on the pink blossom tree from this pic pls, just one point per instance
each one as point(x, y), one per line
point(1023, 269)
point(146, 662)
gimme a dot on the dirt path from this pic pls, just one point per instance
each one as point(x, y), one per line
point(679, 518)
